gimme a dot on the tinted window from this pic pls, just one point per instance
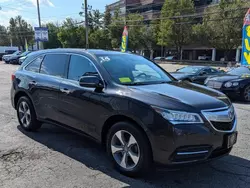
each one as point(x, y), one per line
point(34, 66)
point(129, 69)
point(190, 69)
point(79, 66)
point(54, 64)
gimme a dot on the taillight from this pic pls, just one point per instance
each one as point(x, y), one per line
point(13, 77)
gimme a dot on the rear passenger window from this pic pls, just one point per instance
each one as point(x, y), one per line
point(34, 66)
point(79, 66)
point(55, 65)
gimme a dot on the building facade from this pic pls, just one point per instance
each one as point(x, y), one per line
point(151, 9)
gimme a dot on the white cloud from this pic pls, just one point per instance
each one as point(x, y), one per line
point(6, 15)
point(42, 2)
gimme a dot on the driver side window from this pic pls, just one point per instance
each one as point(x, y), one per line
point(79, 66)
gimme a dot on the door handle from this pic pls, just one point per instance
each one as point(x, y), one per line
point(34, 83)
point(67, 91)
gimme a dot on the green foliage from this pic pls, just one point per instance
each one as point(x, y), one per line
point(4, 39)
point(174, 28)
point(222, 25)
point(70, 35)
point(19, 30)
point(53, 38)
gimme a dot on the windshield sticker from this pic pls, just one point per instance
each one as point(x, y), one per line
point(104, 59)
point(125, 80)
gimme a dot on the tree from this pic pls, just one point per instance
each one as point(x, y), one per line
point(53, 38)
point(19, 30)
point(4, 38)
point(222, 25)
point(71, 35)
point(107, 18)
point(95, 19)
point(175, 30)
point(115, 30)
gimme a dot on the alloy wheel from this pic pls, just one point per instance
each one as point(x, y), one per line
point(247, 94)
point(24, 114)
point(125, 149)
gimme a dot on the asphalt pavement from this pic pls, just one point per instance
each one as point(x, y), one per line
point(54, 157)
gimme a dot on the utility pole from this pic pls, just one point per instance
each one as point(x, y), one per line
point(39, 44)
point(86, 23)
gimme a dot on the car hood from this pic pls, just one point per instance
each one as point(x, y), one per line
point(181, 75)
point(224, 78)
point(180, 95)
point(7, 55)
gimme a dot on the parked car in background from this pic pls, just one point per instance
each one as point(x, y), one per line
point(131, 105)
point(5, 50)
point(159, 58)
point(6, 58)
point(14, 59)
point(171, 58)
point(204, 57)
point(235, 83)
point(196, 74)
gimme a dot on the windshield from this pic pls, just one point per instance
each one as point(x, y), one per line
point(239, 71)
point(129, 69)
point(16, 53)
point(192, 70)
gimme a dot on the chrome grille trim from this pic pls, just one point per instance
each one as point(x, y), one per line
point(219, 115)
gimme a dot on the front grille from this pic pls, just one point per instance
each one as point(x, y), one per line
point(223, 126)
point(214, 84)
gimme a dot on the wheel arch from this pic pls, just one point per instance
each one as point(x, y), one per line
point(20, 94)
point(119, 118)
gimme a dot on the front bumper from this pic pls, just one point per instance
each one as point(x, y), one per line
point(188, 144)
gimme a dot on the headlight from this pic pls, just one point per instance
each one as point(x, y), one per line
point(228, 84)
point(235, 84)
point(179, 117)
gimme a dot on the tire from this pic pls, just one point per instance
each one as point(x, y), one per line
point(26, 115)
point(140, 149)
point(246, 94)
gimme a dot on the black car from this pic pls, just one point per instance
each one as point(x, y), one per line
point(15, 58)
point(235, 84)
point(196, 74)
point(131, 105)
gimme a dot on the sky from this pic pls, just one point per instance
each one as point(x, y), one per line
point(51, 10)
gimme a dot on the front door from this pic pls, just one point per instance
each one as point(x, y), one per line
point(80, 106)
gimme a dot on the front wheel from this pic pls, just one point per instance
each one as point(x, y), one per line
point(129, 149)
point(246, 93)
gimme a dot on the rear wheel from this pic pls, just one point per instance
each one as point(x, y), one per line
point(26, 115)
point(129, 149)
point(246, 93)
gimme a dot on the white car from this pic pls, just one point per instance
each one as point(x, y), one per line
point(204, 57)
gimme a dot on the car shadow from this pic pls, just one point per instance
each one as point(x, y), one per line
point(225, 172)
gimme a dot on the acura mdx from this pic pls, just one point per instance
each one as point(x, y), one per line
point(137, 110)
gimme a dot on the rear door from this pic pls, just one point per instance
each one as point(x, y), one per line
point(46, 85)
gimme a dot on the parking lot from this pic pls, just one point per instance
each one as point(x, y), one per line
point(54, 157)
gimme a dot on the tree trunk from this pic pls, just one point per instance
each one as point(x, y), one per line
point(151, 54)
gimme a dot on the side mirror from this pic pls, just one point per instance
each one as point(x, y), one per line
point(202, 73)
point(91, 81)
point(177, 70)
